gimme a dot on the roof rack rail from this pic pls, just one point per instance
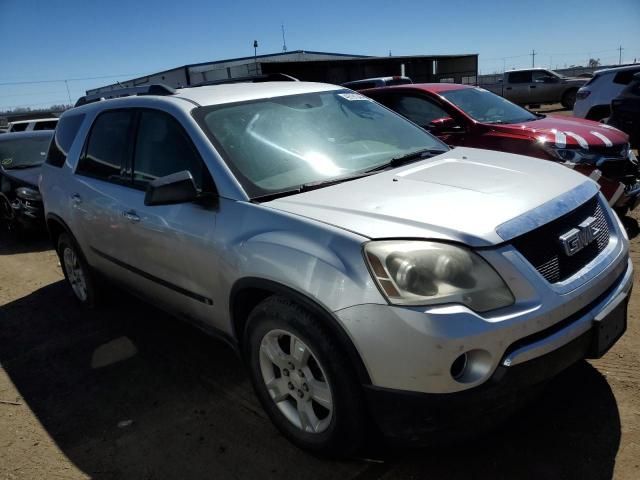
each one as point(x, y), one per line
point(267, 77)
point(152, 89)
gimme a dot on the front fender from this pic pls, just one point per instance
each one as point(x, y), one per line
point(330, 268)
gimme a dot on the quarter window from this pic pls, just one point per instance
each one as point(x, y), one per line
point(66, 131)
point(108, 146)
point(625, 77)
point(163, 148)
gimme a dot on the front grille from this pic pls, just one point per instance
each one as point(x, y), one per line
point(542, 247)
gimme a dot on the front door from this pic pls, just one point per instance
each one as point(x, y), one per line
point(172, 249)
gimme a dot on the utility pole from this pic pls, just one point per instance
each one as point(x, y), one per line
point(255, 55)
point(533, 59)
point(620, 56)
point(68, 94)
point(284, 43)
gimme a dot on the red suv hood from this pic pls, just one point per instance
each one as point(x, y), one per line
point(570, 131)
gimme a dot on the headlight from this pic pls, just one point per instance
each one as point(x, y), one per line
point(428, 273)
point(573, 155)
point(26, 193)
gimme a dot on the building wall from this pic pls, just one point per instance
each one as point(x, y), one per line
point(219, 70)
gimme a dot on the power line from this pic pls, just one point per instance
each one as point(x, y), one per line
point(62, 80)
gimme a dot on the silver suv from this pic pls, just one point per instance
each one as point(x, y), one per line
point(369, 276)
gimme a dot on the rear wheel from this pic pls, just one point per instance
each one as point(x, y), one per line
point(77, 271)
point(304, 382)
point(569, 98)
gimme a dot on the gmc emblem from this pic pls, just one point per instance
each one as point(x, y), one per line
point(577, 238)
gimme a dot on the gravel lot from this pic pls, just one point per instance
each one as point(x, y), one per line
point(128, 392)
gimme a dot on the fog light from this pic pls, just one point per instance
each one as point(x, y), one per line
point(472, 366)
point(458, 366)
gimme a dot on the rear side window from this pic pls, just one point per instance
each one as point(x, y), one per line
point(18, 127)
point(47, 125)
point(107, 149)
point(625, 77)
point(163, 148)
point(66, 131)
point(520, 77)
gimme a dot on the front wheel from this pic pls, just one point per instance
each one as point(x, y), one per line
point(304, 382)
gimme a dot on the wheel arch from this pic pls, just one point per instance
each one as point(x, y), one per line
point(248, 292)
point(598, 112)
point(56, 226)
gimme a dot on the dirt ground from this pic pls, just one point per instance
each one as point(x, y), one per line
point(128, 392)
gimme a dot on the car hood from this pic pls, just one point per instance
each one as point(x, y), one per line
point(568, 131)
point(478, 197)
point(27, 176)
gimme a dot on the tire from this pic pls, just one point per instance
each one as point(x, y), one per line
point(569, 98)
point(77, 271)
point(338, 418)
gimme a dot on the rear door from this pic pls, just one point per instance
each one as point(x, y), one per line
point(96, 194)
point(518, 87)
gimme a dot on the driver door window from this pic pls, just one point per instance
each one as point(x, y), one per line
point(162, 148)
point(542, 90)
point(419, 110)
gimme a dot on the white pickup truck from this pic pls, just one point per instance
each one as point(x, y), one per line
point(535, 86)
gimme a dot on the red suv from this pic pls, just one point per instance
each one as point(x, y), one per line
point(463, 115)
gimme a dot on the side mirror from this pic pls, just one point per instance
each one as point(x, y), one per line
point(444, 124)
point(175, 188)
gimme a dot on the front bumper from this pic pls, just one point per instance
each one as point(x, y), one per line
point(409, 416)
point(412, 416)
point(416, 349)
point(28, 213)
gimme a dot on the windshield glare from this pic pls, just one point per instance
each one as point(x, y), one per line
point(24, 152)
point(487, 107)
point(278, 144)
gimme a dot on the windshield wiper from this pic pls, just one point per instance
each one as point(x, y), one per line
point(394, 162)
point(408, 158)
point(306, 187)
point(19, 167)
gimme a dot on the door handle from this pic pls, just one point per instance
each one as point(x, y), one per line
point(76, 199)
point(131, 215)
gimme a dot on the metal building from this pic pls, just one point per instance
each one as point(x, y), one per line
point(315, 66)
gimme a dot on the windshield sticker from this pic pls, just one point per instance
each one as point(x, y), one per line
point(6, 161)
point(354, 96)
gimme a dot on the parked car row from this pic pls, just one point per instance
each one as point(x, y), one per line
point(319, 232)
point(370, 277)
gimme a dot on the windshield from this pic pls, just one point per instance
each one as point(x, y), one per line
point(277, 144)
point(24, 152)
point(487, 107)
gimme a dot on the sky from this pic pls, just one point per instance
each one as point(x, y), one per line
point(91, 43)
